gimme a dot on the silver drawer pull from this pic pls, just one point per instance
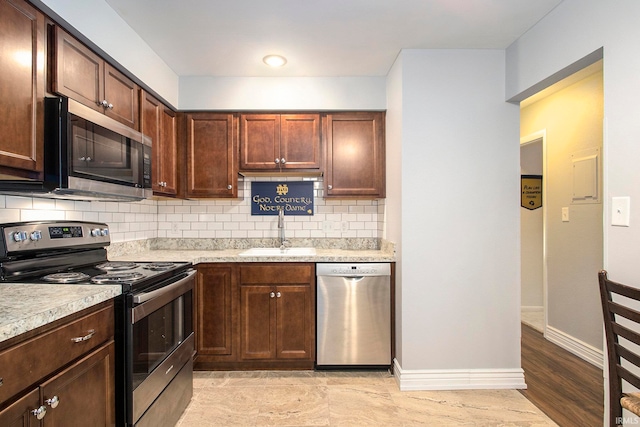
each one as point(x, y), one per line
point(40, 412)
point(86, 337)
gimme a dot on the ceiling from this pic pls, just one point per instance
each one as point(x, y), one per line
point(325, 38)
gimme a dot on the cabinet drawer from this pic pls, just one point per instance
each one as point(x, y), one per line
point(280, 273)
point(30, 361)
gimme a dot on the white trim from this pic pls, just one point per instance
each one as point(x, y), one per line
point(573, 345)
point(458, 379)
point(531, 308)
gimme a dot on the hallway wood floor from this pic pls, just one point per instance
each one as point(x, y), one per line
point(565, 387)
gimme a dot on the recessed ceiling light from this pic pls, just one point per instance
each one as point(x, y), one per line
point(274, 60)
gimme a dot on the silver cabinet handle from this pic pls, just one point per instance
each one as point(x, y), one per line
point(40, 412)
point(272, 294)
point(283, 161)
point(1, 382)
point(86, 337)
point(330, 186)
point(229, 187)
point(53, 402)
point(278, 294)
point(110, 106)
point(103, 103)
point(277, 161)
point(88, 159)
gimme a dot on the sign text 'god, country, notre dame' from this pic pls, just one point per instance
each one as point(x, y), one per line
point(295, 197)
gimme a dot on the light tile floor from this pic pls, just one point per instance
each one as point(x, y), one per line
point(331, 398)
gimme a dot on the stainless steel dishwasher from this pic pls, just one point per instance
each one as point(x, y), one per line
point(353, 315)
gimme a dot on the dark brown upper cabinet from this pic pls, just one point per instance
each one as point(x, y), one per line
point(160, 123)
point(354, 156)
point(81, 74)
point(277, 142)
point(22, 86)
point(212, 165)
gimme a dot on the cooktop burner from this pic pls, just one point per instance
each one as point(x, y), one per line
point(70, 277)
point(158, 266)
point(127, 276)
point(117, 266)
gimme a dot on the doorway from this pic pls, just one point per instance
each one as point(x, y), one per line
point(533, 274)
point(562, 248)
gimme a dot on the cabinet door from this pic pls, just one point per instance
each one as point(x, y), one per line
point(169, 151)
point(19, 414)
point(259, 141)
point(79, 72)
point(355, 159)
point(257, 322)
point(211, 160)
point(85, 392)
point(150, 114)
point(295, 331)
point(300, 141)
point(159, 122)
point(21, 86)
point(121, 96)
point(214, 310)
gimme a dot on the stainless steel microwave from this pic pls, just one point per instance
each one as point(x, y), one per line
point(88, 156)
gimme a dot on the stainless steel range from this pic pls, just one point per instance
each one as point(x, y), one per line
point(154, 325)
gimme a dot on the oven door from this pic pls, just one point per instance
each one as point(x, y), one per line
point(162, 341)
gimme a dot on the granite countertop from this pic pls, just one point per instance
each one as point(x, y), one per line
point(233, 255)
point(24, 307)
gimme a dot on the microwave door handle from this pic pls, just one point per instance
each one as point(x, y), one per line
point(151, 301)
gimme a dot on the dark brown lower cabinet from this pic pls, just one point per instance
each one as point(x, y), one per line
point(50, 378)
point(215, 306)
point(84, 391)
point(255, 316)
point(19, 413)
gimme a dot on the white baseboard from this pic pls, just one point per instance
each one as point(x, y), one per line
point(536, 308)
point(579, 348)
point(458, 379)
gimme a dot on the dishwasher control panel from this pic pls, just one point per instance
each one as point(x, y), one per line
point(350, 270)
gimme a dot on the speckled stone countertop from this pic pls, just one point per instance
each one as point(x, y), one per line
point(24, 307)
point(199, 251)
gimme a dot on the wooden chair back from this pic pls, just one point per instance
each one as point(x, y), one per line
point(621, 320)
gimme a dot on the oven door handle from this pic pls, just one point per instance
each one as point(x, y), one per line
point(151, 301)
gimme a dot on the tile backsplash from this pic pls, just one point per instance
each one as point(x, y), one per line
point(207, 218)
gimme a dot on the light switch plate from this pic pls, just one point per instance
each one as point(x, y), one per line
point(620, 207)
point(565, 214)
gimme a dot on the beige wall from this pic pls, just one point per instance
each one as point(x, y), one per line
point(573, 120)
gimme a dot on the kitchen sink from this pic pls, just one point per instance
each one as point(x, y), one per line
point(279, 252)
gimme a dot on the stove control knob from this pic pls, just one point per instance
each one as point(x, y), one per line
point(104, 232)
point(95, 232)
point(35, 235)
point(19, 236)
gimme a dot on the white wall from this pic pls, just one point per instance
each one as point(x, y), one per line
point(282, 93)
point(97, 21)
point(573, 29)
point(460, 213)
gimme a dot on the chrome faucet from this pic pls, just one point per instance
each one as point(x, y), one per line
point(283, 241)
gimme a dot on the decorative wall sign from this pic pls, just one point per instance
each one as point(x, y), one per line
point(531, 191)
point(295, 197)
